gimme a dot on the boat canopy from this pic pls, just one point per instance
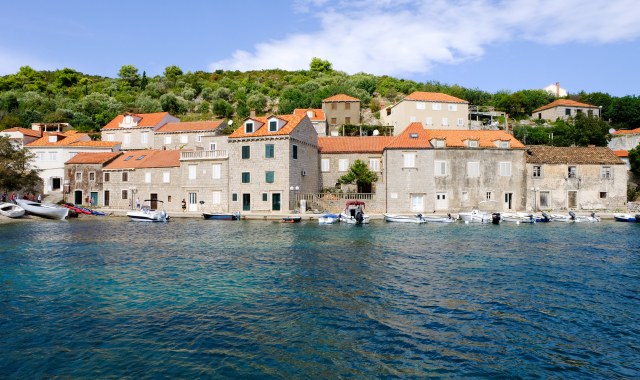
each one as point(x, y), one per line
point(355, 203)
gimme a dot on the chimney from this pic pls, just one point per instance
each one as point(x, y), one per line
point(252, 113)
point(557, 89)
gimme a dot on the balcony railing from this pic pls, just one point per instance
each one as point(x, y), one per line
point(203, 154)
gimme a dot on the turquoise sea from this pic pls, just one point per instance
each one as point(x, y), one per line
point(109, 298)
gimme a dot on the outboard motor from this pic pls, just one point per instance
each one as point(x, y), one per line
point(573, 215)
point(495, 218)
point(545, 217)
point(637, 218)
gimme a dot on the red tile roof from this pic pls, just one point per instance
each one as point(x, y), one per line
point(360, 144)
point(414, 136)
point(564, 103)
point(433, 97)
point(147, 120)
point(190, 126)
point(291, 122)
point(93, 158)
point(24, 131)
point(621, 153)
point(341, 98)
point(627, 131)
point(71, 139)
point(318, 114)
point(571, 155)
point(486, 139)
point(150, 159)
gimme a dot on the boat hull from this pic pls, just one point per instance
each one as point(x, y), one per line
point(475, 217)
point(148, 216)
point(404, 219)
point(329, 219)
point(219, 216)
point(43, 210)
point(11, 210)
point(292, 219)
point(625, 218)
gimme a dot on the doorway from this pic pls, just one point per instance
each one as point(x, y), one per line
point(153, 198)
point(246, 202)
point(193, 202)
point(275, 202)
point(55, 184)
point(442, 202)
point(572, 199)
point(417, 203)
point(77, 197)
point(508, 201)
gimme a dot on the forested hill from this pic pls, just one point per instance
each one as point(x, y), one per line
point(88, 102)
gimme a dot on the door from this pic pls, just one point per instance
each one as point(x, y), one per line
point(77, 197)
point(246, 202)
point(193, 201)
point(508, 201)
point(94, 198)
point(106, 197)
point(275, 202)
point(442, 202)
point(55, 184)
point(572, 199)
point(153, 197)
point(417, 203)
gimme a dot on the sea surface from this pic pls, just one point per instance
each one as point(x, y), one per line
point(102, 297)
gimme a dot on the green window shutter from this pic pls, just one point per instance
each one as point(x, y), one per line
point(269, 151)
point(246, 177)
point(269, 177)
point(246, 152)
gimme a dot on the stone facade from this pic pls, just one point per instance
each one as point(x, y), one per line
point(433, 110)
point(85, 178)
point(564, 109)
point(136, 131)
point(340, 110)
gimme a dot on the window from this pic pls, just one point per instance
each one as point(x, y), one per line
point(248, 127)
point(53, 138)
point(40, 156)
point(168, 198)
point(567, 111)
point(269, 177)
point(605, 172)
point(184, 139)
point(452, 107)
point(473, 169)
point(347, 120)
point(140, 158)
point(436, 106)
point(429, 120)
point(347, 106)
point(504, 144)
point(107, 177)
point(144, 138)
point(334, 106)
point(192, 171)
point(246, 177)
point(212, 146)
point(92, 176)
point(343, 165)
point(78, 176)
point(473, 143)
point(572, 173)
point(265, 197)
point(166, 177)
point(409, 160)
point(273, 125)
point(374, 164)
point(199, 138)
point(147, 177)
point(125, 176)
point(216, 170)
point(295, 152)
point(421, 105)
point(537, 171)
point(53, 156)
point(439, 144)
point(167, 140)
point(324, 165)
point(544, 199)
point(126, 139)
point(124, 194)
point(603, 194)
point(268, 151)
point(489, 195)
point(216, 197)
point(445, 121)
point(128, 158)
point(110, 137)
point(460, 121)
point(505, 169)
point(246, 152)
point(234, 197)
point(334, 121)
point(465, 196)
point(440, 168)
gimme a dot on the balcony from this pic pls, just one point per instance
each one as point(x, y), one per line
point(203, 155)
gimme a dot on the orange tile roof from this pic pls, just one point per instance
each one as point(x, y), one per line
point(486, 139)
point(318, 114)
point(359, 144)
point(147, 120)
point(621, 153)
point(341, 98)
point(24, 131)
point(93, 158)
point(190, 126)
point(151, 159)
point(292, 122)
point(414, 136)
point(71, 139)
point(564, 103)
point(433, 97)
point(627, 131)
point(594, 155)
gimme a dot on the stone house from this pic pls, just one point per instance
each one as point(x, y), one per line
point(564, 109)
point(624, 139)
point(153, 175)
point(204, 178)
point(433, 109)
point(317, 117)
point(339, 110)
point(21, 136)
point(272, 160)
point(84, 173)
point(195, 135)
point(136, 131)
point(575, 178)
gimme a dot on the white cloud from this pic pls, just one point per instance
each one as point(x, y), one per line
point(398, 37)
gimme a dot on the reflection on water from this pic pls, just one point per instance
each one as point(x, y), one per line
point(193, 298)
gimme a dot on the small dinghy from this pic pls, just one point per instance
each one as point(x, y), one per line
point(45, 210)
point(11, 210)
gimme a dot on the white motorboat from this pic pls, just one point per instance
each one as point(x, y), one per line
point(147, 214)
point(11, 210)
point(329, 219)
point(354, 213)
point(517, 217)
point(475, 216)
point(45, 210)
point(584, 218)
point(404, 219)
point(439, 219)
point(560, 218)
point(628, 218)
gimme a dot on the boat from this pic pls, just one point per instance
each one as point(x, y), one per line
point(582, 218)
point(221, 216)
point(404, 219)
point(329, 219)
point(439, 219)
point(560, 218)
point(147, 214)
point(626, 218)
point(291, 219)
point(354, 213)
point(45, 210)
point(11, 210)
point(542, 218)
point(517, 217)
point(475, 216)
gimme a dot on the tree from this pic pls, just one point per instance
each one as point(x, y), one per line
point(634, 159)
point(222, 108)
point(129, 75)
point(359, 174)
point(172, 73)
point(16, 173)
point(318, 65)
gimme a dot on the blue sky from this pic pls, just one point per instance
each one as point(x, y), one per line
point(491, 45)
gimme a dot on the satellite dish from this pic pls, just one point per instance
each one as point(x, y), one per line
point(611, 130)
point(376, 132)
point(230, 122)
